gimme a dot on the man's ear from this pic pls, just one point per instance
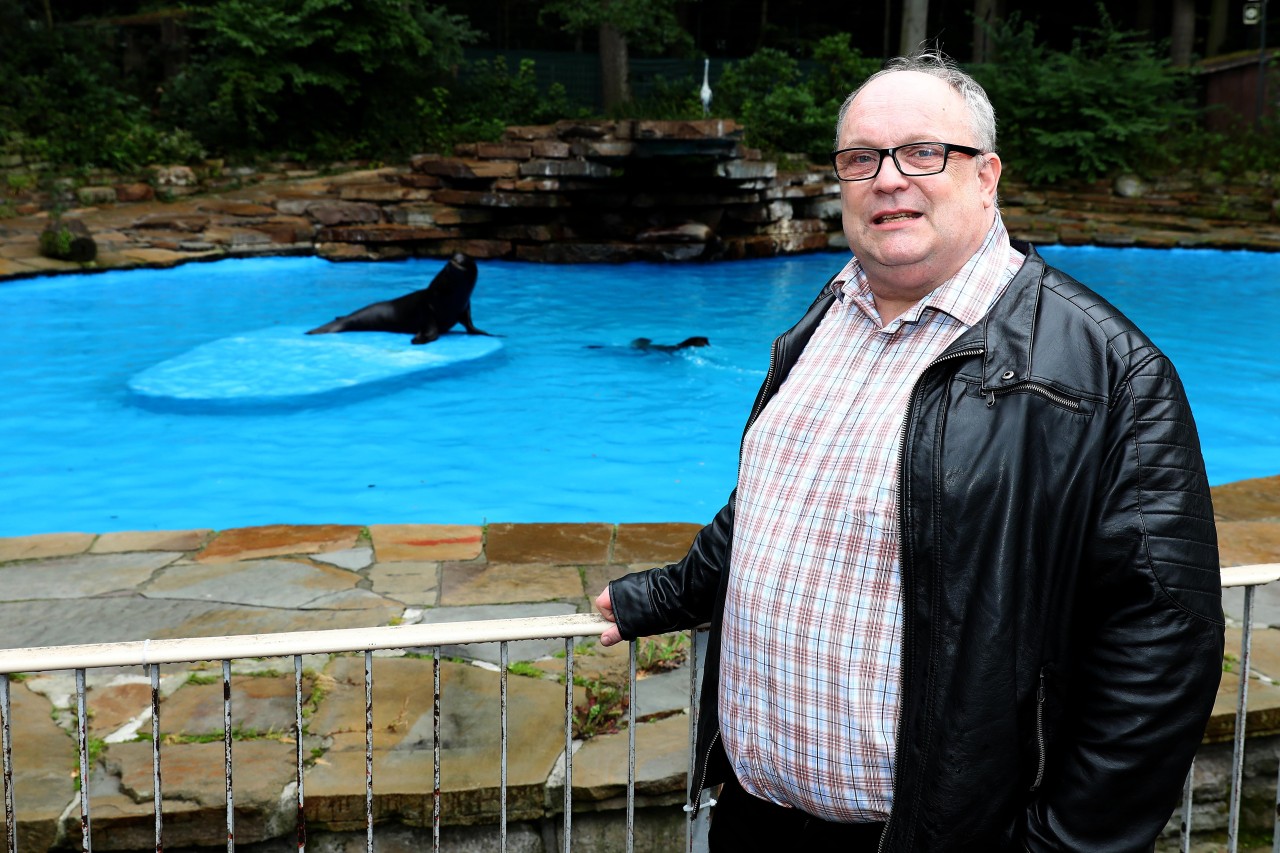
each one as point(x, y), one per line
point(989, 178)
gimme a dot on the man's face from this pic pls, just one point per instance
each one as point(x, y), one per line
point(912, 234)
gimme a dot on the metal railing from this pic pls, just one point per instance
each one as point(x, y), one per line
point(152, 654)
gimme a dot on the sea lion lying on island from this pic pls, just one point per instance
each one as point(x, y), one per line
point(426, 314)
point(648, 345)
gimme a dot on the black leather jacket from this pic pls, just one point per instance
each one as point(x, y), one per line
point(1063, 630)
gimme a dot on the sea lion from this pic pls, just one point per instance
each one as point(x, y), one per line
point(426, 314)
point(647, 345)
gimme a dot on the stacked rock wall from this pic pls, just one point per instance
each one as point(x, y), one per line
point(575, 193)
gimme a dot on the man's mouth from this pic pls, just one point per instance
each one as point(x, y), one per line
point(896, 217)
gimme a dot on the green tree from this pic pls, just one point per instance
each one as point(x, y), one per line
point(1111, 102)
point(65, 101)
point(319, 78)
point(647, 24)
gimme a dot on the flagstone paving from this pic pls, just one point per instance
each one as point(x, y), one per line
point(78, 588)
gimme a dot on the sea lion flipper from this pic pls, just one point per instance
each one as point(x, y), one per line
point(465, 319)
point(327, 328)
point(430, 331)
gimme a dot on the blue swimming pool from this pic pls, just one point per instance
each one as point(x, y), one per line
point(566, 422)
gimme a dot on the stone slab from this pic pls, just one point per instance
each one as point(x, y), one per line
point(662, 761)
point(233, 620)
point(150, 540)
point(1262, 716)
point(193, 774)
point(1242, 543)
point(426, 542)
point(272, 583)
point(72, 621)
point(415, 583)
point(352, 559)
point(275, 540)
point(656, 544)
point(596, 578)
point(351, 599)
point(403, 725)
point(42, 545)
point(44, 757)
point(80, 577)
point(112, 706)
point(556, 544)
point(507, 583)
point(259, 704)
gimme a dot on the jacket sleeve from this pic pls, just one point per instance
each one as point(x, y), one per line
point(680, 595)
point(1148, 635)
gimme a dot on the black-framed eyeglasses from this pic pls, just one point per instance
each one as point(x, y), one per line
point(914, 159)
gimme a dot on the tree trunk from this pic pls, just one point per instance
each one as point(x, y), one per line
point(915, 25)
point(888, 32)
point(614, 86)
point(985, 15)
point(1218, 13)
point(1183, 34)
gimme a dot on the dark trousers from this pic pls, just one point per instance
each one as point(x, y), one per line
point(741, 823)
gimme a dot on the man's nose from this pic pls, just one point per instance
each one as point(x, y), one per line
point(890, 177)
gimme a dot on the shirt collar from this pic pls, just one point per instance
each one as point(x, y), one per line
point(966, 296)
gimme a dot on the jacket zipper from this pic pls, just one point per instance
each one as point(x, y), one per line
point(1040, 744)
point(1036, 388)
point(902, 537)
point(702, 780)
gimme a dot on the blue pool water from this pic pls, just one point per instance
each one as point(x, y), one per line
point(566, 422)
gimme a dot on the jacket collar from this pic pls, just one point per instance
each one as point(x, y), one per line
point(1005, 333)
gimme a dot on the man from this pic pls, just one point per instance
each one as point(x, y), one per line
point(965, 595)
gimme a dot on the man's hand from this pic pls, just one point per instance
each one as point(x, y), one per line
point(610, 635)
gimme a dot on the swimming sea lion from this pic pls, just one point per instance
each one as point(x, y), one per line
point(426, 314)
point(647, 345)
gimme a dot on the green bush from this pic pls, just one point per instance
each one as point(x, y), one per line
point(322, 79)
point(1108, 104)
point(753, 78)
point(65, 100)
point(785, 110)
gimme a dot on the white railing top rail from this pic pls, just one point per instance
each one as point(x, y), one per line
point(1254, 575)
point(189, 650)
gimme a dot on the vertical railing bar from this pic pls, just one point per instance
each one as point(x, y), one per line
point(82, 736)
point(368, 751)
point(6, 746)
point(568, 744)
point(1275, 827)
point(690, 816)
point(1187, 786)
point(631, 747)
point(1237, 751)
point(297, 732)
point(502, 791)
point(226, 744)
point(435, 749)
point(157, 790)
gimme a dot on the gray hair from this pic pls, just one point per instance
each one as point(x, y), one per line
point(982, 116)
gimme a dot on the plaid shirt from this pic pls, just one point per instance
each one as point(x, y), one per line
point(809, 673)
